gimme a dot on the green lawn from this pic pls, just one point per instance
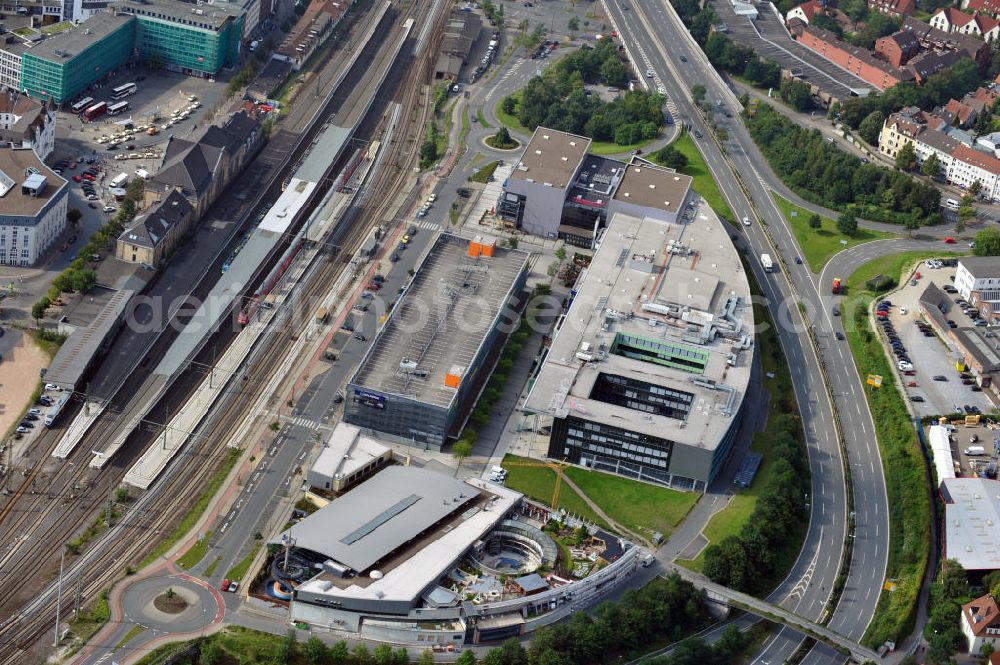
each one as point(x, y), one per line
point(239, 571)
point(197, 552)
point(640, 507)
point(133, 632)
point(609, 148)
point(909, 512)
point(818, 245)
point(704, 184)
point(509, 120)
point(56, 28)
point(538, 482)
point(778, 383)
point(482, 119)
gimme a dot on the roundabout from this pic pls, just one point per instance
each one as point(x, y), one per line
point(170, 603)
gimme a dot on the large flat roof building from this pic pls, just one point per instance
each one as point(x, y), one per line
point(387, 561)
point(972, 512)
point(33, 205)
point(559, 190)
point(420, 377)
point(648, 370)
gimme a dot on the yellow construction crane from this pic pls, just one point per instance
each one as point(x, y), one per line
point(556, 467)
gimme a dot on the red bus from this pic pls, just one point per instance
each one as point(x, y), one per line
point(95, 111)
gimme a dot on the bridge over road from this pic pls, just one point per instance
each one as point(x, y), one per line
point(777, 614)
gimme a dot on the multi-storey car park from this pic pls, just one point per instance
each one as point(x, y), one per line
point(427, 364)
point(413, 556)
point(648, 370)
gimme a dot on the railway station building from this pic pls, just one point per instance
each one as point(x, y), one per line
point(648, 370)
point(424, 370)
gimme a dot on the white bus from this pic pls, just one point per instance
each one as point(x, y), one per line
point(117, 107)
point(119, 180)
point(766, 262)
point(82, 104)
point(124, 91)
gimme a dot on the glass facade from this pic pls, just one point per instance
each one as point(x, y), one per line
point(62, 79)
point(642, 396)
point(186, 45)
point(660, 352)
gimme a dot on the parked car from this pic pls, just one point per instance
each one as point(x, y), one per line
point(225, 585)
point(916, 398)
point(839, 335)
point(940, 377)
point(360, 337)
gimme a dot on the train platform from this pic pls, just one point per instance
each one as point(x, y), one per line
point(90, 412)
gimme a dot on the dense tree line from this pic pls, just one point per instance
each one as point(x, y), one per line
point(742, 61)
point(558, 99)
point(695, 651)
point(748, 560)
point(987, 242)
point(950, 83)
point(819, 171)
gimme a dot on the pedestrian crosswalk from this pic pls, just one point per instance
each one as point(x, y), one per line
point(425, 224)
point(306, 423)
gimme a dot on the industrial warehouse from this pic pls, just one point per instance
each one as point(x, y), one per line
point(648, 371)
point(412, 556)
point(422, 374)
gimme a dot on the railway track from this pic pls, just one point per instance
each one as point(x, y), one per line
point(149, 518)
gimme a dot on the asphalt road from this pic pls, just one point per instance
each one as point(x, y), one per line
point(807, 587)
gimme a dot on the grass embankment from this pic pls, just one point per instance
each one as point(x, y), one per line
point(482, 119)
point(239, 571)
point(509, 120)
point(777, 381)
point(637, 506)
point(906, 484)
point(92, 618)
point(133, 632)
point(704, 184)
point(818, 245)
point(193, 556)
point(539, 482)
point(484, 173)
point(194, 514)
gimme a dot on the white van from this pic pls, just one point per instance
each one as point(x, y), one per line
point(975, 451)
point(951, 203)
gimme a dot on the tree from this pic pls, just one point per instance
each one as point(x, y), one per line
point(460, 450)
point(871, 127)
point(401, 657)
point(468, 657)
point(698, 93)
point(670, 157)
point(847, 223)
point(315, 651)
point(383, 655)
point(931, 166)
point(614, 74)
point(906, 156)
point(38, 309)
point(975, 188)
point(796, 94)
point(815, 221)
point(426, 658)
point(503, 140)
point(953, 579)
point(361, 654)
point(573, 25)
point(73, 215)
point(987, 244)
point(509, 105)
point(560, 253)
point(286, 652)
point(339, 653)
point(986, 650)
